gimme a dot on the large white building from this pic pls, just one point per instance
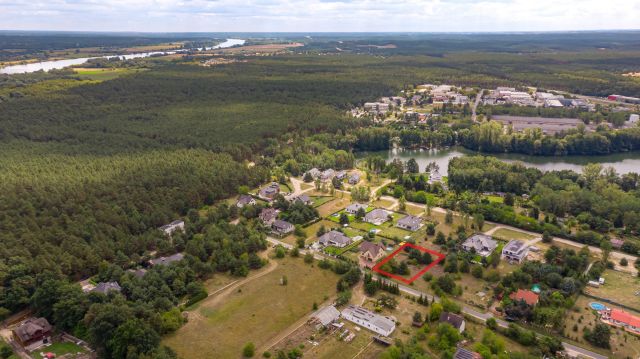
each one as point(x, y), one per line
point(370, 320)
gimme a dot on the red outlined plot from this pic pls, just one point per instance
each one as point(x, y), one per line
point(439, 257)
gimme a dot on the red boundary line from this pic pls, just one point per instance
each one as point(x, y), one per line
point(439, 258)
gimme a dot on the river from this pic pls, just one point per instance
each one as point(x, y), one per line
point(622, 162)
point(60, 64)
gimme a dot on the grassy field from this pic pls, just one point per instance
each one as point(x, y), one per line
point(509, 234)
point(623, 345)
point(619, 287)
point(103, 74)
point(62, 348)
point(254, 312)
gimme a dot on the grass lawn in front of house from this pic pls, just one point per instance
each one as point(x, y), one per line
point(62, 348)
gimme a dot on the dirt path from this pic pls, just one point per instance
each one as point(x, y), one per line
point(220, 294)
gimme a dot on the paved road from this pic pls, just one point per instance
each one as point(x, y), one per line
point(474, 116)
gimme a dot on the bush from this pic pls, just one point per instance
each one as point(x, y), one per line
point(249, 350)
point(624, 262)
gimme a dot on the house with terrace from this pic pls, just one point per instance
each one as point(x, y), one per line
point(354, 179)
point(327, 175)
point(480, 244)
point(622, 319)
point(334, 238)
point(106, 287)
point(410, 223)
point(304, 199)
point(377, 217)
point(515, 251)
point(33, 333)
point(169, 229)
point(270, 192)
point(268, 215)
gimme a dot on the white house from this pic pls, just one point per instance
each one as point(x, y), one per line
point(168, 229)
point(515, 251)
point(367, 319)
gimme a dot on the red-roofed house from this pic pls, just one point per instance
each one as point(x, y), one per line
point(528, 296)
point(620, 318)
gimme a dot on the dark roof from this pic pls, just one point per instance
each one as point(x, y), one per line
point(303, 198)
point(138, 272)
point(463, 353)
point(163, 261)
point(245, 199)
point(280, 224)
point(106, 287)
point(374, 248)
point(268, 214)
point(334, 236)
point(32, 328)
point(453, 319)
point(377, 213)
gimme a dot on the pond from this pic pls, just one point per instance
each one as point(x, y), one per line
point(621, 162)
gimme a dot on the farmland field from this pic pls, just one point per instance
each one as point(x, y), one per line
point(219, 329)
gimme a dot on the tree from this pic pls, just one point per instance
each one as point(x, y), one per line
point(448, 217)
point(308, 258)
point(249, 350)
point(308, 178)
point(600, 336)
point(133, 338)
point(546, 237)
point(344, 219)
point(476, 271)
point(300, 242)
point(402, 203)
point(509, 199)
point(478, 219)
point(417, 317)
point(360, 213)
point(624, 262)
point(412, 166)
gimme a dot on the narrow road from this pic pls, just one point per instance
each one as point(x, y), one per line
point(474, 116)
point(484, 316)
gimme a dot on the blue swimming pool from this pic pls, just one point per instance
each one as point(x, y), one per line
point(597, 306)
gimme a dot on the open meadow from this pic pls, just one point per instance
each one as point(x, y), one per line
point(254, 311)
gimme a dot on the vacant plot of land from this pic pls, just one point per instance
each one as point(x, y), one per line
point(254, 312)
point(619, 287)
point(509, 234)
point(334, 206)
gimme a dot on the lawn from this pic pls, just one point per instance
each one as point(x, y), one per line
point(619, 287)
point(61, 348)
point(334, 206)
point(495, 199)
point(383, 203)
point(255, 312)
point(103, 74)
point(509, 234)
point(320, 200)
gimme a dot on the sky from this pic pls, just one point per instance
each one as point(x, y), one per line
point(319, 15)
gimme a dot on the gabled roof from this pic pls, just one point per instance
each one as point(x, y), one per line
point(106, 287)
point(245, 199)
point(268, 214)
point(625, 317)
point(32, 328)
point(528, 296)
point(327, 315)
point(455, 320)
point(280, 224)
point(354, 207)
point(480, 241)
point(373, 248)
point(303, 198)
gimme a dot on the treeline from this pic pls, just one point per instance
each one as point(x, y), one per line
point(599, 202)
point(129, 323)
point(66, 214)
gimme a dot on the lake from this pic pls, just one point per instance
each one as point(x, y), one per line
point(622, 162)
point(60, 64)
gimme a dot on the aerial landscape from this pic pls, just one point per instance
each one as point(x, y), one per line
point(319, 179)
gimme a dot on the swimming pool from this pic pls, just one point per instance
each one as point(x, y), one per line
point(597, 306)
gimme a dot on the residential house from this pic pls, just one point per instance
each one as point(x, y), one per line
point(616, 243)
point(33, 332)
point(325, 316)
point(245, 200)
point(367, 319)
point(327, 175)
point(281, 227)
point(354, 179)
point(456, 321)
point(515, 251)
point(106, 287)
point(334, 238)
point(270, 192)
point(410, 223)
point(371, 252)
point(138, 273)
point(463, 353)
point(304, 199)
point(341, 175)
point(165, 261)
point(620, 318)
point(169, 229)
point(268, 215)
point(354, 207)
point(314, 172)
point(435, 177)
point(525, 295)
point(378, 216)
point(481, 244)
